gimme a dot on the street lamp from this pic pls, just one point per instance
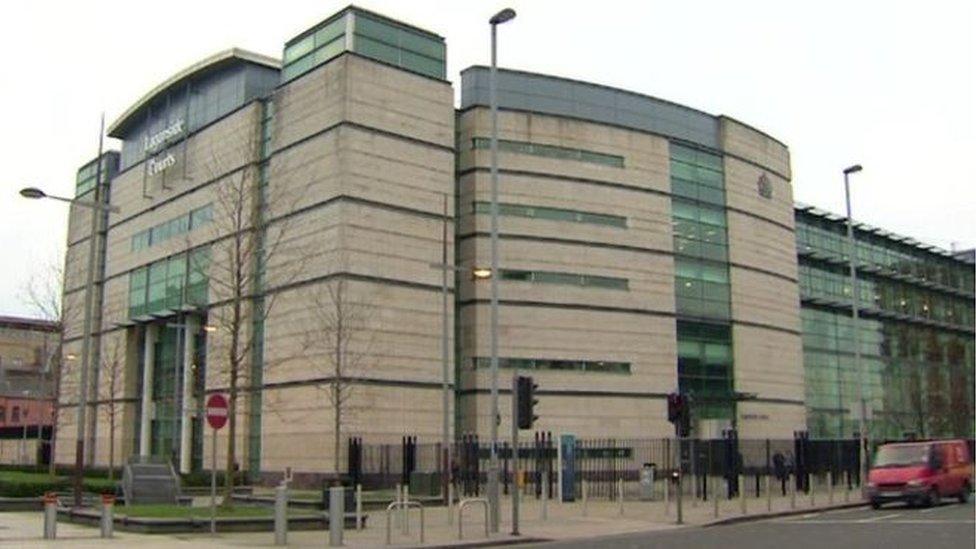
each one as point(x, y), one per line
point(503, 16)
point(97, 208)
point(851, 258)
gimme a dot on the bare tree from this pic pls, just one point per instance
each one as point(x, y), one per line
point(43, 293)
point(250, 233)
point(340, 341)
point(113, 365)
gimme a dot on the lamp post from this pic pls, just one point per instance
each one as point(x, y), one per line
point(503, 16)
point(97, 208)
point(852, 258)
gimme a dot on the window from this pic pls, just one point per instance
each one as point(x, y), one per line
point(3, 414)
point(554, 214)
point(598, 366)
point(550, 151)
point(15, 415)
point(201, 216)
point(170, 283)
point(138, 282)
point(571, 279)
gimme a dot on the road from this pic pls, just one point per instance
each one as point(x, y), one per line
point(891, 527)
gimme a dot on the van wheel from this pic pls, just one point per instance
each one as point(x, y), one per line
point(875, 504)
point(933, 498)
point(964, 494)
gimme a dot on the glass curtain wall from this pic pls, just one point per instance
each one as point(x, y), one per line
point(702, 296)
point(916, 334)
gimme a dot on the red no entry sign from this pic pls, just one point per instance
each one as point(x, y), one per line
point(217, 410)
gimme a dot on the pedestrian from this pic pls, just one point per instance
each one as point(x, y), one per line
point(779, 469)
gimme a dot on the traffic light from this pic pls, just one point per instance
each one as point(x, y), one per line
point(526, 402)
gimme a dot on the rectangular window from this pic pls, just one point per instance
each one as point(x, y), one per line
point(550, 151)
point(137, 292)
point(554, 214)
point(597, 366)
point(201, 216)
point(569, 279)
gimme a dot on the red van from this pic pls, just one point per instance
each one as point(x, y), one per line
point(920, 472)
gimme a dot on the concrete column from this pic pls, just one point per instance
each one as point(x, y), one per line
point(190, 328)
point(149, 364)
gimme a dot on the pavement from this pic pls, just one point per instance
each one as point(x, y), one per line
point(568, 522)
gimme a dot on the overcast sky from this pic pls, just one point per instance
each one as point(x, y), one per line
point(890, 85)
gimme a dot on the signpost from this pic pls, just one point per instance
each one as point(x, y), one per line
point(216, 418)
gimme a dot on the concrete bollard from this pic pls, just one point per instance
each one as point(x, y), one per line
point(742, 494)
point(620, 494)
point(583, 495)
point(450, 503)
point(359, 507)
point(792, 481)
point(404, 510)
point(107, 523)
point(813, 497)
point(830, 487)
point(544, 509)
point(667, 495)
point(398, 495)
point(337, 515)
point(281, 515)
point(769, 494)
point(50, 515)
point(715, 497)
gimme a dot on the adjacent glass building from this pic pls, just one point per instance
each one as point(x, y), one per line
point(915, 331)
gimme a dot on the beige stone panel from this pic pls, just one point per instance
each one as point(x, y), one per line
point(648, 216)
point(305, 174)
point(762, 245)
point(752, 144)
point(76, 265)
point(379, 414)
point(74, 304)
point(390, 170)
point(645, 156)
point(583, 416)
point(311, 103)
point(352, 237)
point(742, 192)
point(646, 342)
point(764, 299)
point(761, 420)
point(768, 362)
point(115, 303)
point(650, 277)
point(396, 333)
point(65, 436)
point(398, 101)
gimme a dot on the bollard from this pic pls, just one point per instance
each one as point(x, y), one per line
point(108, 503)
point(810, 481)
point(742, 493)
point(583, 495)
point(620, 494)
point(830, 487)
point(337, 514)
point(792, 481)
point(544, 509)
point(50, 515)
point(769, 493)
point(715, 497)
point(404, 510)
point(398, 509)
point(450, 503)
point(359, 507)
point(281, 514)
point(667, 496)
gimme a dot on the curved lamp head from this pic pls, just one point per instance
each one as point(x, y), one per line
point(32, 192)
point(853, 169)
point(506, 14)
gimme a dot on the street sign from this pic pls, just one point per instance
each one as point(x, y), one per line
point(217, 410)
